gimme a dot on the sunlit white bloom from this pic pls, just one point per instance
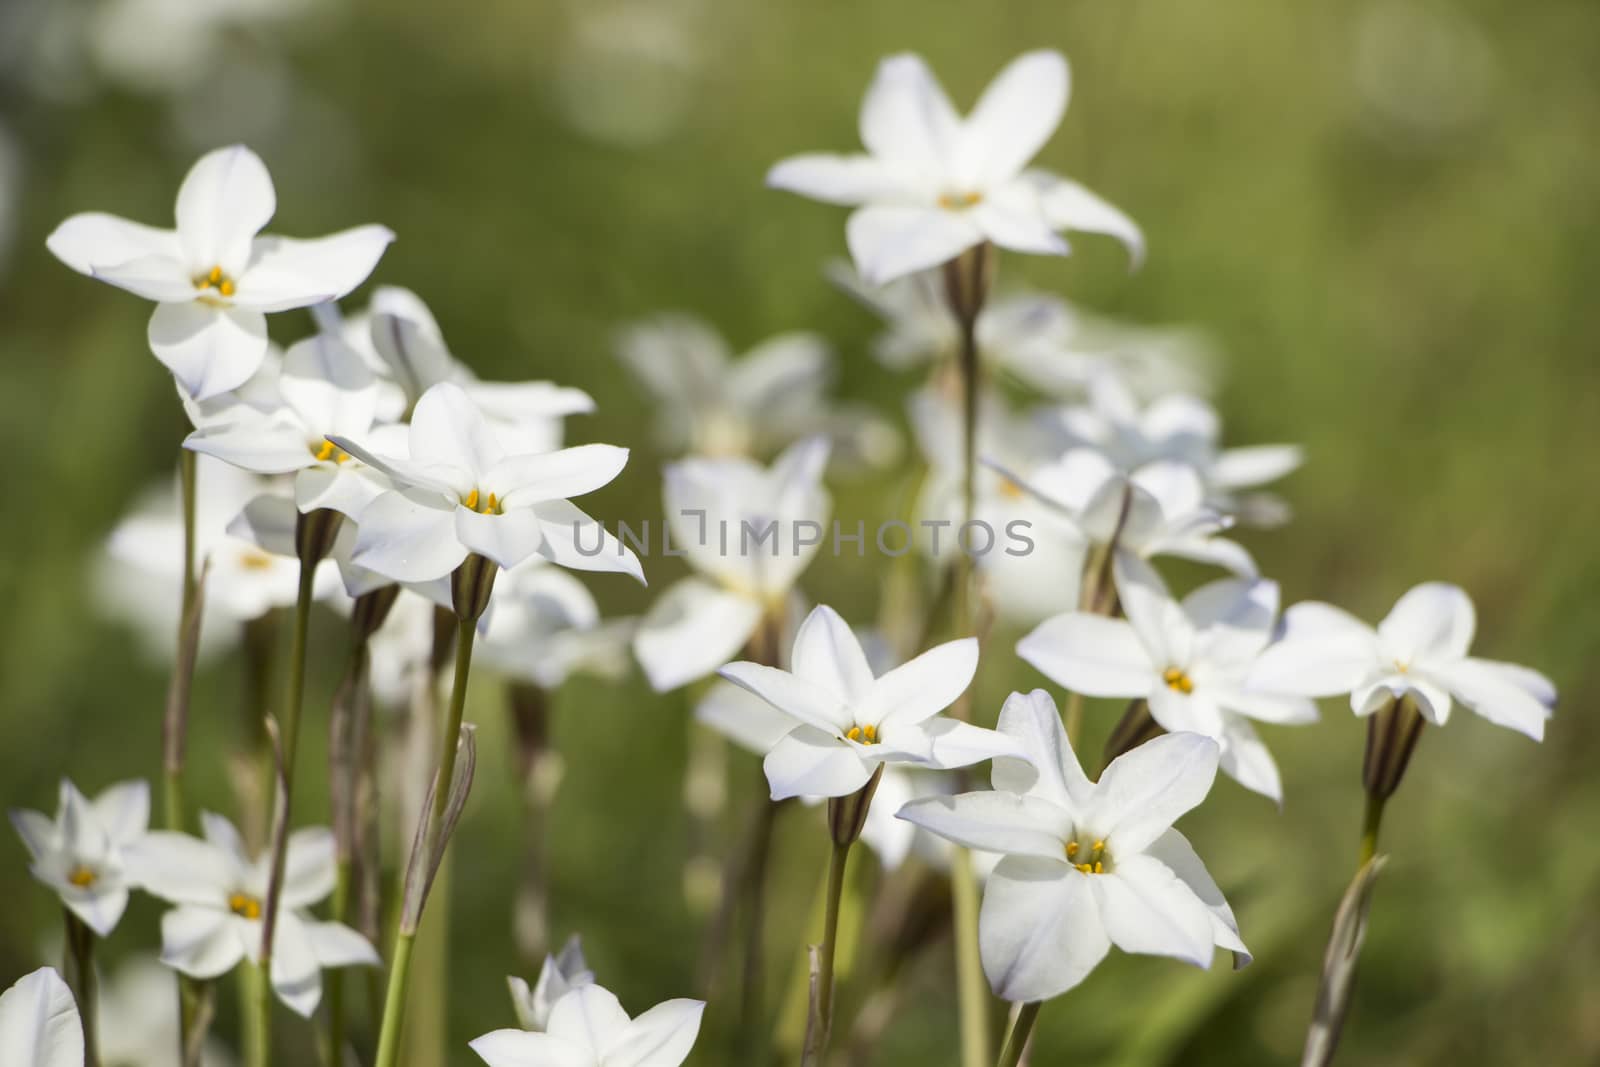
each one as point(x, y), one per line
point(543, 625)
point(213, 278)
point(848, 721)
point(1420, 649)
point(749, 531)
point(561, 974)
point(405, 348)
point(80, 854)
point(711, 404)
point(219, 892)
point(138, 1025)
point(933, 184)
point(588, 1028)
point(1188, 661)
point(461, 491)
point(1183, 429)
point(1087, 865)
point(39, 1022)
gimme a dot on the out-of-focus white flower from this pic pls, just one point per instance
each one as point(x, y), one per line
point(401, 648)
point(543, 626)
point(39, 1022)
point(1087, 865)
point(934, 184)
point(1188, 661)
point(461, 491)
point(80, 853)
point(626, 71)
point(139, 1018)
point(588, 1028)
point(848, 722)
point(213, 278)
point(749, 531)
point(710, 404)
point(167, 45)
point(219, 892)
point(1419, 649)
point(561, 974)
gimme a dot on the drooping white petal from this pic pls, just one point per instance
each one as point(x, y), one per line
point(890, 241)
point(1174, 850)
point(1144, 791)
point(1246, 759)
point(808, 762)
point(1500, 692)
point(285, 273)
point(1324, 650)
point(448, 428)
point(1432, 621)
point(519, 1048)
point(180, 868)
point(1147, 909)
point(1014, 117)
point(1433, 699)
point(993, 821)
point(660, 1037)
point(1053, 773)
point(692, 630)
point(1090, 654)
point(922, 687)
point(409, 537)
point(522, 480)
point(200, 942)
point(1039, 931)
point(296, 976)
point(336, 945)
point(590, 1017)
point(39, 1022)
point(271, 445)
point(827, 654)
point(836, 179)
point(574, 540)
point(799, 698)
point(1070, 206)
point(508, 539)
point(906, 118)
point(224, 201)
point(209, 349)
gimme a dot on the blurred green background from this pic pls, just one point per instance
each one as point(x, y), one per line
point(1384, 213)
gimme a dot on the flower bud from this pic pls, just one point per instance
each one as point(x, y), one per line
point(847, 815)
point(470, 586)
point(314, 533)
point(1392, 734)
point(370, 611)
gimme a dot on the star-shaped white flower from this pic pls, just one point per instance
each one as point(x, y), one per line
point(39, 1022)
point(561, 974)
point(1420, 648)
point(460, 491)
point(588, 1028)
point(933, 184)
point(849, 722)
point(80, 854)
point(219, 892)
point(1189, 661)
point(214, 278)
point(1086, 865)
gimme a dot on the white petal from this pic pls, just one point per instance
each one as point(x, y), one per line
point(661, 1037)
point(159, 278)
point(1500, 692)
point(1090, 654)
point(225, 200)
point(836, 179)
point(309, 868)
point(329, 386)
point(285, 273)
point(1014, 118)
point(96, 240)
point(1052, 772)
point(1147, 909)
point(1433, 620)
point(923, 687)
point(100, 908)
point(296, 978)
point(264, 446)
point(210, 350)
point(1324, 650)
point(336, 945)
point(123, 810)
point(448, 428)
point(408, 537)
point(1143, 792)
point(811, 763)
point(507, 539)
point(1011, 217)
point(1174, 850)
point(1070, 206)
point(992, 821)
point(180, 868)
point(743, 717)
point(1266, 707)
point(39, 1022)
point(589, 1016)
point(961, 744)
point(523, 480)
point(789, 372)
point(347, 488)
point(519, 1048)
point(1039, 932)
point(1246, 760)
point(38, 832)
point(827, 654)
point(573, 539)
point(1240, 468)
point(891, 241)
point(906, 119)
point(1164, 630)
point(267, 521)
point(200, 942)
point(799, 698)
point(1432, 697)
point(691, 631)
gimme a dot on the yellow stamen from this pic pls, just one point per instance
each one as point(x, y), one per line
point(255, 561)
point(215, 277)
point(494, 504)
point(227, 287)
point(1072, 849)
point(853, 734)
point(959, 201)
point(1177, 679)
point(1086, 868)
point(871, 732)
point(1099, 868)
point(82, 877)
point(472, 500)
point(1099, 846)
point(244, 905)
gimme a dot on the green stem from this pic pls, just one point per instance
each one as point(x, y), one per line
point(466, 630)
point(258, 1021)
point(172, 801)
point(971, 987)
point(822, 1021)
point(1369, 829)
point(335, 977)
point(395, 1002)
point(85, 986)
point(1011, 1055)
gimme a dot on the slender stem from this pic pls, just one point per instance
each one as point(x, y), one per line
point(1011, 1055)
point(466, 630)
point(822, 1022)
point(1369, 829)
point(335, 978)
point(752, 1020)
point(395, 1002)
point(257, 1023)
point(972, 991)
point(172, 801)
point(79, 967)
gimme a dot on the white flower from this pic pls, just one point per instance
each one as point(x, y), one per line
point(588, 1028)
point(39, 1023)
point(750, 531)
point(543, 626)
point(139, 1018)
point(1087, 865)
point(849, 722)
point(80, 854)
point(934, 184)
point(220, 894)
point(326, 390)
point(711, 404)
point(560, 975)
point(460, 491)
point(1420, 648)
point(1188, 661)
point(214, 279)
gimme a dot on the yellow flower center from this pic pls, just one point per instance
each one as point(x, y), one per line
point(82, 877)
point(1094, 856)
point(244, 905)
point(959, 201)
point(215, 280)
point(253, 560)
point(330, 451)
point(866, 735)
point(1177, 679)
point(490, 505)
